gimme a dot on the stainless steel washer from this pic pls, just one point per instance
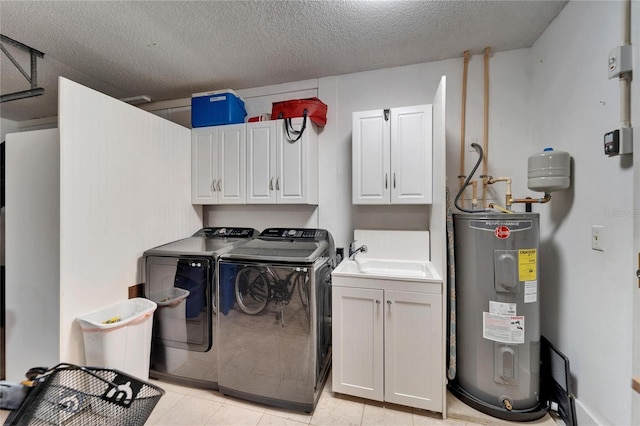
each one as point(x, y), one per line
point(275, 340)
point(181, 278)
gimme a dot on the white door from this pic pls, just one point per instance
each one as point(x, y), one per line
point(261, 162)
point(232, 164)
point(413, 349)
point(204, 165)
point(358, 342)
point(411, 156)
point(371, 162)
point(291, 159)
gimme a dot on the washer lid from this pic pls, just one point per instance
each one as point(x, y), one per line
point(279, 251)
point(205, 242)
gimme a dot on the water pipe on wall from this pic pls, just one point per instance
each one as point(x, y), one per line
point(625, 78)
point(485, 165)
point(463, 117)
point(508, 200)
point(466, 183)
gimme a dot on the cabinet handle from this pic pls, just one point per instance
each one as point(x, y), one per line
point(271, 184)
point(394, 180)
point(389, 302)
point(386, 181)
point(377, 302)
point(278, 184)
point(220, 185)
point(213, 186)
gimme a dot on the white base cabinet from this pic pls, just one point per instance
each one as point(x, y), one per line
point(388, 344)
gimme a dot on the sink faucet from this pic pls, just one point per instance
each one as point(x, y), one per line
point(353, 251)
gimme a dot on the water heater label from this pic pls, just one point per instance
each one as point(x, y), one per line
point(501, 308)
point(496, 225)
point(530, 291)
point(503, 329)
point(527, 264)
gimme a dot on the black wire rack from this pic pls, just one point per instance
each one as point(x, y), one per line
point(71, 395)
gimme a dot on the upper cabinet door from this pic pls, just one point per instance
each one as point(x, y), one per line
point(371, 157)
point(297, 164)
point(261, 162)
point(204, 165)
point(411, 156)
point(232, 164)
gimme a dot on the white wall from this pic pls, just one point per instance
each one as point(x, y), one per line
point(124, 188)
point(586, 295)
point(33, 254)
point(387, 88)
point(7, 126)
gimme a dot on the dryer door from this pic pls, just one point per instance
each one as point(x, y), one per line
point(182, 288)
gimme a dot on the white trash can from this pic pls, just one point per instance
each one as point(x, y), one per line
point(119, 336)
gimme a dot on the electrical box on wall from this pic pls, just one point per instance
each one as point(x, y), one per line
point(618, 142)
point(620, 61)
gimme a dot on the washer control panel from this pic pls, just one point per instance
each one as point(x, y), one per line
point(294, 234)
point(226, 232)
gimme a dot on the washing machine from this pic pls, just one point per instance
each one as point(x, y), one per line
point(275, 338)
point(181, 277)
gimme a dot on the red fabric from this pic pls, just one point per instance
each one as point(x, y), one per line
point(316, 110)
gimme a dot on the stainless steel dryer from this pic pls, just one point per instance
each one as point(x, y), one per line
point(181, 277)
point(275, 340)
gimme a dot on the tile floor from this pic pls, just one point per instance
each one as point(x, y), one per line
point(191, 406)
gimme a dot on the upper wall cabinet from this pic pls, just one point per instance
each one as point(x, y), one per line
point(392, 156)
point(255, 163)
point(218, 162)
point(280, 169)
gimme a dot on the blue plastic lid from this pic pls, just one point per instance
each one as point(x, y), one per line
point(547, 149)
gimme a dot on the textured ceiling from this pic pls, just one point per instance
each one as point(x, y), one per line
point(171, 49)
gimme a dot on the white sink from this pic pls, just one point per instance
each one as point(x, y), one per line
point(384, 268)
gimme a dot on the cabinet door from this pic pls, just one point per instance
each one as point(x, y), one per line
point(232, 164)
point(411, 156)
point(204, 165)
point(291, 182)
point(358, 342)
point(261, 162)
point(370, 151)
point(414, 364)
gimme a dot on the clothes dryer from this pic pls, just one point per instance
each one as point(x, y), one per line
point(181, 277)
point(275, 339)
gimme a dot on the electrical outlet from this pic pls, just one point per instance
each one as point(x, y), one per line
point(597, 237)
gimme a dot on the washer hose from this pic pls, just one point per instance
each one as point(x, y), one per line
point(466, 182)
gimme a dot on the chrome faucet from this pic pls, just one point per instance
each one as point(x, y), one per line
point(353, 251)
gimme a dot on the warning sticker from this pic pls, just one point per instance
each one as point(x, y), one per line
point(527, 264)
point(503, 329)
point(530, 291)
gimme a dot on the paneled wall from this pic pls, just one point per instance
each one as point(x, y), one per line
point(123, 177)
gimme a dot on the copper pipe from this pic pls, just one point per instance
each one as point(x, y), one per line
point(485, 164)
point(508, 199)
point(545, 199)
point(474, 200)
point(463, 119)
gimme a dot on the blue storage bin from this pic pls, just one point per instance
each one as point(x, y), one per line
point(217, 108)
